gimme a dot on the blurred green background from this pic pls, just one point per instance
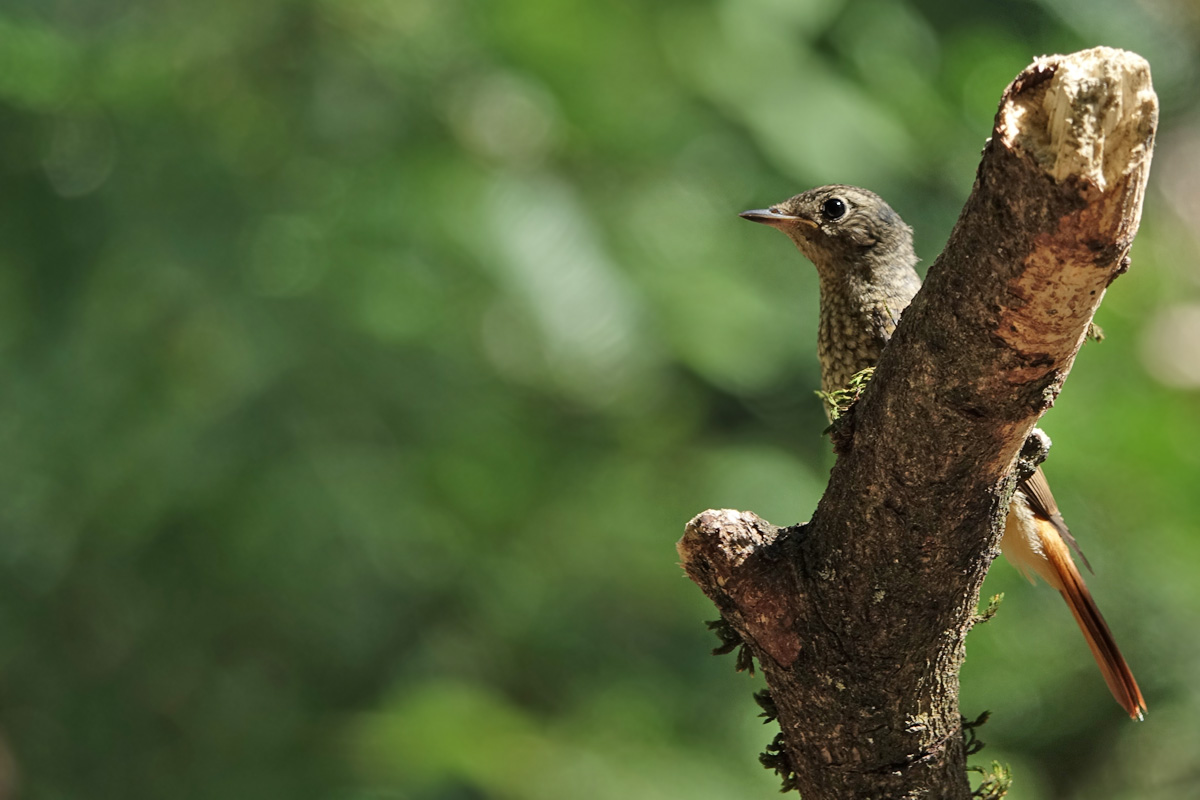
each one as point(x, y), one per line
point(363, 360)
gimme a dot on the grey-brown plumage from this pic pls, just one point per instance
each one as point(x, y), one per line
point(864, 257)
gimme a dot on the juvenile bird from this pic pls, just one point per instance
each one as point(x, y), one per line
point(864, 257)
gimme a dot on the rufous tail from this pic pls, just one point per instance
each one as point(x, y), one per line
point(1099, 638)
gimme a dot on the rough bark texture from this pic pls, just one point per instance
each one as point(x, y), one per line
point(858, 619)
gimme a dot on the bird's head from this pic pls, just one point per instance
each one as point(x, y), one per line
point(840, 225)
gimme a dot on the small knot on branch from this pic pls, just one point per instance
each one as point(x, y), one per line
point(735, 558)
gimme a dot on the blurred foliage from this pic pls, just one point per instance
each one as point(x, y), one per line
point(364, 358)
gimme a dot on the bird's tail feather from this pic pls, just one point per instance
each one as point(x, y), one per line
point(1104, 648)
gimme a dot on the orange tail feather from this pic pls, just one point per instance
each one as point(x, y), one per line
point(1099, 638)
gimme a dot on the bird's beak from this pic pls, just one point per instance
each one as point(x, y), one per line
point(775, 219)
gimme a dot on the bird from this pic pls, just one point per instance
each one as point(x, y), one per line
point(863, 252)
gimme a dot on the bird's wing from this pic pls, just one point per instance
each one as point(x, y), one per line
point(1042, 502)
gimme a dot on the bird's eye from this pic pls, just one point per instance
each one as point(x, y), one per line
point(834, 208)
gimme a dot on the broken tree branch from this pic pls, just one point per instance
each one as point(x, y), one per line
point(859, 618)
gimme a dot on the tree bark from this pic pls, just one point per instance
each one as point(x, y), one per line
point(858, 619)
